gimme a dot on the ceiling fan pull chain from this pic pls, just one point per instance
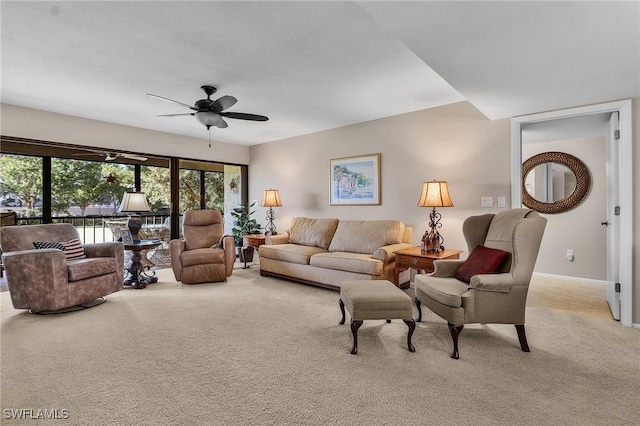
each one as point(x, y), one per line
point(209, 129)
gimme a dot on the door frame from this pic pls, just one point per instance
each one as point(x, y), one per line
point(625, 179)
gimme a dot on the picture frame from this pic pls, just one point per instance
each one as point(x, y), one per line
point(355, 180)
point(126, 236)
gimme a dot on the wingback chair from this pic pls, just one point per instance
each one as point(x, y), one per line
point(44, 280)
point(497, 297)
point(204, 254)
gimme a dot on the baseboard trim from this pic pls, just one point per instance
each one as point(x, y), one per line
point(568, 278)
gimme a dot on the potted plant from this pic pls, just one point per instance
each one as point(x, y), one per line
point(244, 225)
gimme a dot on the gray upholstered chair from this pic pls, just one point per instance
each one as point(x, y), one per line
point(203, 255)
point(44, 280)
point(491, 297)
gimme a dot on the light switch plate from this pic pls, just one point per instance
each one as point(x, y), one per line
point(486, 201)
point(502, 201)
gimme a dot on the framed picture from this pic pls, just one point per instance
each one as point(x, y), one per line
point(126, 236)
point(355, 180)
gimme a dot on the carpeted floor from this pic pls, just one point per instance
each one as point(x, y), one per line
point(263, 351)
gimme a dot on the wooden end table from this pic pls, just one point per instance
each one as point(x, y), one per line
point(413, 258)
point(254, 241)
point(137, 275)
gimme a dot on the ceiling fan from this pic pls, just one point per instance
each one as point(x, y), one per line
point(211, 113)
point(110, 155)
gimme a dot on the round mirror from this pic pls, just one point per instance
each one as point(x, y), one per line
point(554, 182)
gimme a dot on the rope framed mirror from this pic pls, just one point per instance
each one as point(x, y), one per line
point(554, 182)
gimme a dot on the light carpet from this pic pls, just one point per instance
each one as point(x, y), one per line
point(264, 351)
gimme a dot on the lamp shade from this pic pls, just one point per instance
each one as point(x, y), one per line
point(133, 202)
point(270, 198)
point(435, 194)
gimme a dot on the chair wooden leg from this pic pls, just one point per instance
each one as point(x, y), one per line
point(342, 310)
point(522, 337)
point(355, 325)
point(419, 319)
point(455, 332)
point(412, 326)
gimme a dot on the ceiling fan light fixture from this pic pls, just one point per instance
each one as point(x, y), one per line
point(208, 118)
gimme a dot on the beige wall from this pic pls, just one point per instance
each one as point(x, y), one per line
point(578, 229)
point(455, 143)
point(36, 124)
point(636, 210)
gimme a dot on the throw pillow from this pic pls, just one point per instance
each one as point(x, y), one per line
point(48, 245)
point(482, 260)
point(73, 249)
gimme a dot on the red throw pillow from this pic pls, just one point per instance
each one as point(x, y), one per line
point(482, 260)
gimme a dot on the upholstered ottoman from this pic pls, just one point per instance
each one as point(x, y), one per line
point(375, 300)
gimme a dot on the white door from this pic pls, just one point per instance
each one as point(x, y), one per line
point(613, 217)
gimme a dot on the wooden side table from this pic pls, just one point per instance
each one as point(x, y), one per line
point(412, 258)
point(137, 275)
point(254, 241)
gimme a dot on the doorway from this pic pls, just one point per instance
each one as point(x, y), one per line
point(623, 176)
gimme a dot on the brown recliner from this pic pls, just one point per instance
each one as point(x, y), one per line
point(44, 280)
point(498, 298)
point(204, 255)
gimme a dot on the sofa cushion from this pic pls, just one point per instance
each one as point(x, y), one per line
point(292, 253)
point(312, 232)
point(40, 245)
point(73, 249)
point(350, 262)
point(482, 260)
point(202, 256)
point(366, 236)
point(81, 269)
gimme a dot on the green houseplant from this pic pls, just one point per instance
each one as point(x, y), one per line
point(244, 225)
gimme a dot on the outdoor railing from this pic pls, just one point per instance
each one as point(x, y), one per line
point(94, 229)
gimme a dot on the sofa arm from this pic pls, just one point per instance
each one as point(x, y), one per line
point(446, 268)
point(277, 239)
point(387, 253)
point(109, 249)
point(176, 247)
point(500, 283)
point(36, 277)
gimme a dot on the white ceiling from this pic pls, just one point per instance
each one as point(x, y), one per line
point(312, 66)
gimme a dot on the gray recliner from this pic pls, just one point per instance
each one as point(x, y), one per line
point(487, 298)
point(44, 280)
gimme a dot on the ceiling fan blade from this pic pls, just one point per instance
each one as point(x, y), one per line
point(223, 103)
point(171, 100)
point(222, 124)
point(244, 116)
point(175, 115)
point(134, 157)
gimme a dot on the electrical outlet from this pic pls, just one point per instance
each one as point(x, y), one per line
point(486, 201)
point(502, 201)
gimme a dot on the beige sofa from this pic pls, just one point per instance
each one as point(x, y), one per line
point(327, 252)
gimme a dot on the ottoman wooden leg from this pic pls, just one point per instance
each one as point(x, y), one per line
point(355, 325)
point(412, 326)
point(342, 310)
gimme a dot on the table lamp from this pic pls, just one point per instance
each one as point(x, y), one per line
point(134, 203)
point(271, 199)
point(434, 194)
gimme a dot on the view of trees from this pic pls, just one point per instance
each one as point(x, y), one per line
point(81, 184)
point(21, 181)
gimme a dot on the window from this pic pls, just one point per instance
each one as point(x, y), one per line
point(21, 184)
